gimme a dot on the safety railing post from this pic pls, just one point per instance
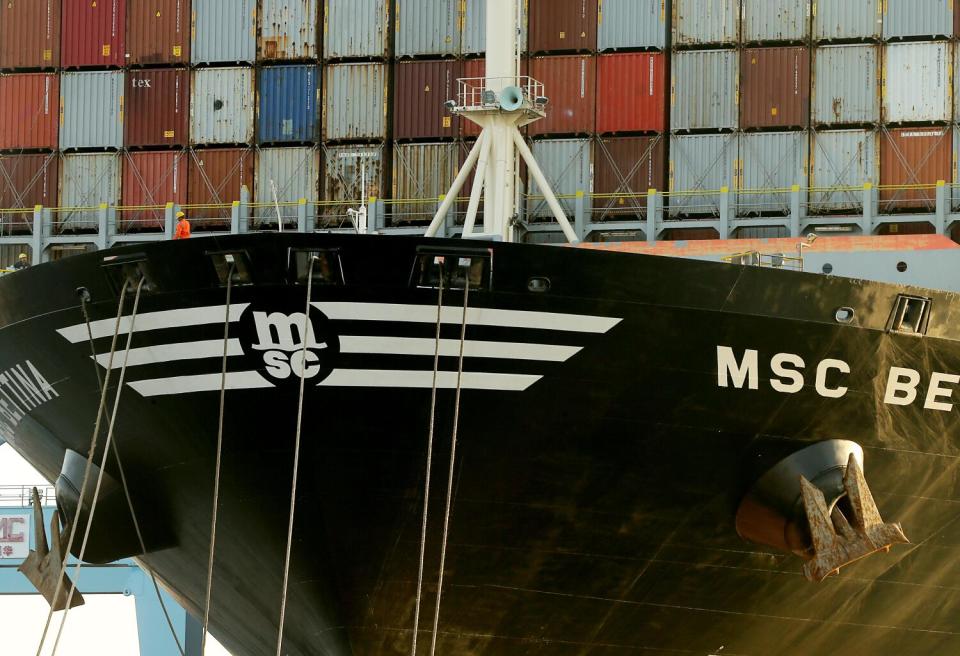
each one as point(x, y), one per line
point(243, 209)
point(796, 207)
point(725, 198)
point(169, 219)
point(580, 215)
point(869, 209)
point(37, 237)
point(302, 215)
point(103, 215)
point(654, 208)
point(943, 207)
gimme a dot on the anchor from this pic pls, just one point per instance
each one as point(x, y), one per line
point(42, 566)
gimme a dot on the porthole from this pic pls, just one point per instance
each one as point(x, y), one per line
point(538, 285)
point(828, 268)
point(901, 266)
point(845, 315)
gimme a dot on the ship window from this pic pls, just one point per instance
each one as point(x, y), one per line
point(456, 267)
point(327, 269)
point(910, 316)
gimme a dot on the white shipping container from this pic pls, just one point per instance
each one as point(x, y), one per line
point(775, 20)
point(427, 27)
point(87, 181)
point(917, 18)
point(421, 174)
point(771, 161)
point(355, 28)
point(355, 101)
point(841, 162)
point(288, 29)
point(846, 85)
point(847, 19)
point(704, 90)
point(295, 174)
point(700, 22)
point(631, 24)
point(223, 31)
point(91, 110)
point(475, 27)
point(567, 165)
point(221, 106)
point(917, 85)
point(700, 166)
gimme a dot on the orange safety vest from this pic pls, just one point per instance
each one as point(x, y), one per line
point(183, 230)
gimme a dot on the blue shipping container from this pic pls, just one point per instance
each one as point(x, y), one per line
point(288, 105)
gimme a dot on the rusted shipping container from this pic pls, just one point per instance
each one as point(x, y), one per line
point(917, 82)
point(222, 105)
point(910, 157)
point(94, 33)
point(624, 169)
point(356, 28)
point(29, 110)
point(571, 84)
point(216, 177)
point(87, 181)
point(631, 93)
point(420, 90)
point(288, 29)
point(157, 107)
point(563, 25)
point(774, 88)
point(704, 90)
point(345, 169)
point(150, 179)
point(841, 162)
point(26, 181)
point(355, 101)
point(29, 34)
point(421, 173)
point(158, 32)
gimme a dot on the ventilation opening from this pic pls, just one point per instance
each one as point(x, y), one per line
point(134, 267)
point(455, 267)
point(911, 315)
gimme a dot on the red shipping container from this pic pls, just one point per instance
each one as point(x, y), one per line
point(914, 156)
point(563, 25)
point(93, 33)
point(631, 93)
point(157, 107)
point(775, 88)
point(626, 168)
point(571, 85)
point(29, 111)
point(151, 178)
point(215, 177)
point(26, 181)
point(158, 32)
point(29, 34)
point(420, 90)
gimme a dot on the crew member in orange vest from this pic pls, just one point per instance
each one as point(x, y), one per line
point(183, 227)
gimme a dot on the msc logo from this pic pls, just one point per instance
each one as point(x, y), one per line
point(277, 340)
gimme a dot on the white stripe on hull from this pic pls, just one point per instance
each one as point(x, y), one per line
point(424, 380)
point(451, 347)
point(211, 348)
point(200, 383)
point(179, 318)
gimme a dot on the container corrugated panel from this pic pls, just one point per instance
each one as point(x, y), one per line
point(475, 26)
point(91, 110)
point(223, 31)
point(571, 82)
point(151, 178)
point(914, 156)
point(93, 33)
point(775, 20)
point(625, 24)
point(288, 104)
point(917, 18)
point(288, 29)
point(295, 174)
point(917, 85)
point(774, 161)
point(355, 101)
point(86, 182)
point(563, 25)
point(625, 168)
point(221, 108)
point(217, 176)
point(700, 165)
point(774, 88)
point(29, 111)
point(841, 162)
point(157, 107)
point(847, 19)
point(158, 32)
point(567, 165)
point(846, 85)
point(344, 170)
point(631, 93)
point(955, 204)
point(27, 181)
point(704, 22)
point(421, 174)
point(29, 34)
point(420, 90)
point(704, 90)
point(356, 28)
point(427, 27)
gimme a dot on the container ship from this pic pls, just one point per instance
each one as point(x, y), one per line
point(354, 444)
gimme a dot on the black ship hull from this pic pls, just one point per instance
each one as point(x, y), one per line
point(603, 445)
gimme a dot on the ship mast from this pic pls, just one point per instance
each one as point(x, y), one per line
point(500, 103)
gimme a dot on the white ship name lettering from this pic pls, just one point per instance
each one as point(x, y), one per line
point(22, 389)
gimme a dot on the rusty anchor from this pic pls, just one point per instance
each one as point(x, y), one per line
point(42, 566)
point(838, 541)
